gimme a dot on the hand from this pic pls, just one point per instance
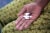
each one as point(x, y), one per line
point(34, 9)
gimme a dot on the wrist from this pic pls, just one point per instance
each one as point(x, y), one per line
point(42, 3)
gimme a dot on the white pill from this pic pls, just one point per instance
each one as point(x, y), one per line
point(27, 13)
point(27, 16)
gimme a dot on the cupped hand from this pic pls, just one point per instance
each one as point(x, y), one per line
point(22, 23)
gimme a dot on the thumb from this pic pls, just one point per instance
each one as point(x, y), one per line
point(22, 11)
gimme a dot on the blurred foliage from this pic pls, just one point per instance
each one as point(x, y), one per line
point(41, 25)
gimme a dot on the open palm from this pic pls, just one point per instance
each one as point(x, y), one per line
point(34, 9)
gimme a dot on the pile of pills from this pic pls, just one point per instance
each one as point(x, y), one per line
point(27, 16)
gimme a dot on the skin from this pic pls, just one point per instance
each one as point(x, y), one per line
point(35, 11)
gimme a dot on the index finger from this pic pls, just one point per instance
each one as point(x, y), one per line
point(18, 19)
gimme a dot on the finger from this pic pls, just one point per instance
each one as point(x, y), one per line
point(28, 22)
point(22, 26)
point(18, 20)
point(22, 11)
point(20, 23)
